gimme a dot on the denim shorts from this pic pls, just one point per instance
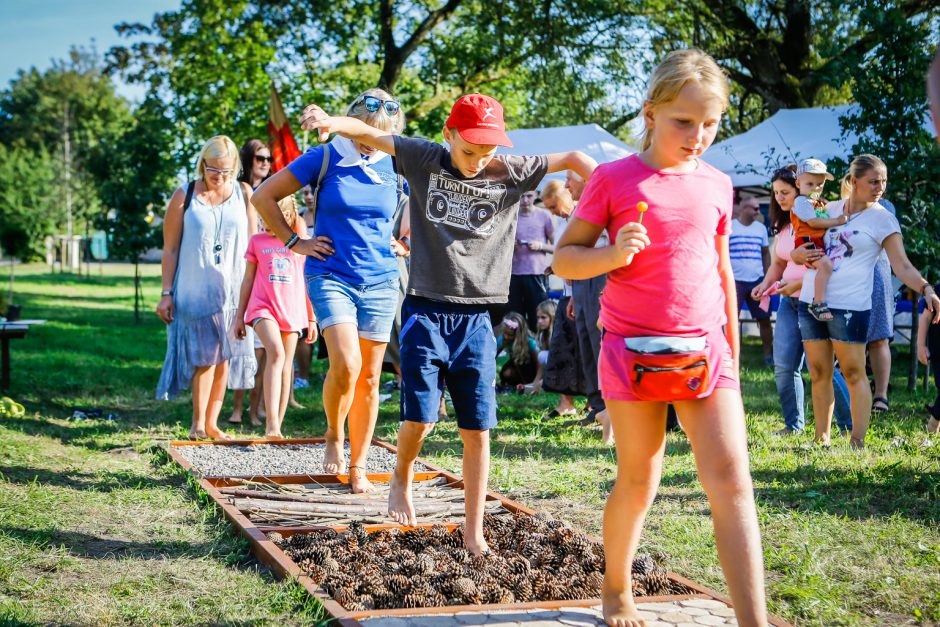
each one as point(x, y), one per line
point(846, 326)
point(453, 345)
point(370, 307)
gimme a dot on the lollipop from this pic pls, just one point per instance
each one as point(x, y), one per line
point(642, 207)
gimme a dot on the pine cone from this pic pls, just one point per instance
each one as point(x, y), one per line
point(464, 587)
point(276, 538)
point(330, 566)
point(642, 565)
point(592, 584)
point(523, 590)
point(316, 573)
point(657, 582)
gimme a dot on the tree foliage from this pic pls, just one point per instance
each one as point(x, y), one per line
point(29, 207)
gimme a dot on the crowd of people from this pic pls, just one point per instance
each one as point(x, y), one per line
point(448, 250)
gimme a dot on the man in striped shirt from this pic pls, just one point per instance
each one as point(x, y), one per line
point(750, 259)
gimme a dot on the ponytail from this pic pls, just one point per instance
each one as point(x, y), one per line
point(859, 166)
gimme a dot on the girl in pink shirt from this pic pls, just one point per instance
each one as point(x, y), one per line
point(274, 302)
point(670, 292)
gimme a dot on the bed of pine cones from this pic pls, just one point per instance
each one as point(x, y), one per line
point(532, 558)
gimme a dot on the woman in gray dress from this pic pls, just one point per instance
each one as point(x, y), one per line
point(204, 247)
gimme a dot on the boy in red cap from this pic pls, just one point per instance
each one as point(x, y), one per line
point(464, 205)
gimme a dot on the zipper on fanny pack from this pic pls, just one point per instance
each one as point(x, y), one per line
point(641, 370)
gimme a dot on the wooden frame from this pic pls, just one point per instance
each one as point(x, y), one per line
point(283, 566)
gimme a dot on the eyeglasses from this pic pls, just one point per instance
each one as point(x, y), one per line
point(264, 159)
point(223, 173)
point(372, 105)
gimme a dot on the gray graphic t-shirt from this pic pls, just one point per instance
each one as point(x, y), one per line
point(463, 230)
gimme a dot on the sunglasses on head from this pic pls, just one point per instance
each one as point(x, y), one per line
point(264, 159)
point(373, 104)
point(784, 173)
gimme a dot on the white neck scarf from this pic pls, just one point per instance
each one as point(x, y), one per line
point(351, 157)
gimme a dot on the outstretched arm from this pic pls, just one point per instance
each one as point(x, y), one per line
point(315, 118)
point(575, 160)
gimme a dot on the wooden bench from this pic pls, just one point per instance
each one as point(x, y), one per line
point(11, 331)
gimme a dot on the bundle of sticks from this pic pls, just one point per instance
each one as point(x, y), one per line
point(315, 504)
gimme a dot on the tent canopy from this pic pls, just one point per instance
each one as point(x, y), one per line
point(787, 136)
point(588, 138)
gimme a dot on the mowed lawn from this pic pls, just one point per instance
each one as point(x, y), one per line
point(97, 528)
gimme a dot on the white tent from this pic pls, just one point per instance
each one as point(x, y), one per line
point(588, 138)
point(785, 137)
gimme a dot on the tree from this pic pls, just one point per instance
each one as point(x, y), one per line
point(38, 111)
point(137, 175)
point(28, 209)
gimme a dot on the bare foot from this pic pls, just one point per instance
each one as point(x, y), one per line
point(333, 461)
point(255, 422)
point(619, 608)
point(858, 443)
point(295, 404)
point(235, 419)
point(358, 480)
point(195, 434)
point(476, 546)
point(400, 507)
point(933, 425)
point(217, 434)
point(603, 418)
point(273, 435)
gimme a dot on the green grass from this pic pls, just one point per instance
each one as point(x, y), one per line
point(97, 528)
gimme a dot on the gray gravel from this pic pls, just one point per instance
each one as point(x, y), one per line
point(275, 459)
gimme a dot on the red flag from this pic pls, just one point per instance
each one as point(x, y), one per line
point(283, 147)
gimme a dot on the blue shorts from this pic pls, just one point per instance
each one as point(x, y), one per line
point(370, 307)
point(452, 344)
point(744, 289)
point(846, 326)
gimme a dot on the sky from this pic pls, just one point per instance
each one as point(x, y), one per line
point(33, 32)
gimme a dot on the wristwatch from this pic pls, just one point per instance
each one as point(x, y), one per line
point(166, 293)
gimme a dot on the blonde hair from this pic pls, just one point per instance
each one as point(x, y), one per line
point(288, 207)
point(219, 147)
point(859, 166)
point(556, 189)
point(519, 351)
point(379, 119)
point(544, 337)
point(679, 68)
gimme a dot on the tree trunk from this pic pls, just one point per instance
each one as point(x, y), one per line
point(137, 294)
point(12, 274)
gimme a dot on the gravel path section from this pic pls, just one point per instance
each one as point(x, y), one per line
point(275, 459)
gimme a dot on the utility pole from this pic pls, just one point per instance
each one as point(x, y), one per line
point(67, 149)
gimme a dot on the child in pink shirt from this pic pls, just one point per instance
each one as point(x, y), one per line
point(670, 293)
point(274, 302)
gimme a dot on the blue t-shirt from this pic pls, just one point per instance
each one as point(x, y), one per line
point(356, 214)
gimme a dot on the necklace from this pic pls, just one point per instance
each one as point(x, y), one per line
point(217, 246)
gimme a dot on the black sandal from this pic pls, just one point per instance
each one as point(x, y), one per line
point(875, 409)
point(820, 311)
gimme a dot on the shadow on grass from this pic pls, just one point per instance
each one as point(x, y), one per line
point(96, 435)
point(107, 481)
point(99, 547)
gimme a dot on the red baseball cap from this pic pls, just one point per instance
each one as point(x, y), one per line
point(479, 120)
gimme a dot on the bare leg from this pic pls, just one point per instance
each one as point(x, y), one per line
point(716, 430)
point(607, 434)
point(289, 342)
point(852, 363)
point(565, 405)
point(201, 384)
point(640, 435)
point(880, 354)
point(410, 439)
point(476, 471)
point(216, 398)
point(304, 357)
point(238, 405)
point(342, 343)
point(364, 412)
point(270, 336)
point(256, 395)
point(823, 271)
point(820, 357)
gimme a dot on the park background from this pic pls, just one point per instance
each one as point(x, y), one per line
point(96, 527)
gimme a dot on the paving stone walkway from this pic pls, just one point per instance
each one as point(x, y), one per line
point(689, 613)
